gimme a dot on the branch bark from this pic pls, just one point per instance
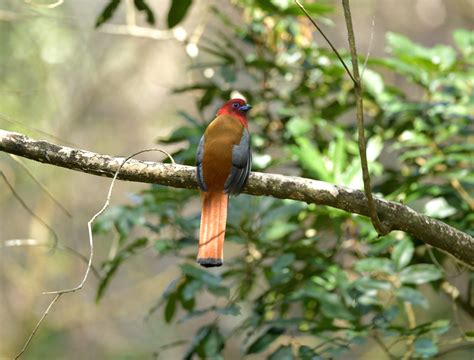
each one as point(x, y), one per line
point(393, 215)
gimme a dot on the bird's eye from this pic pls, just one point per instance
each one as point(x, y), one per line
point(236, 105)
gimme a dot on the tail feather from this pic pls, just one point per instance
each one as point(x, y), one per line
point(212, 233)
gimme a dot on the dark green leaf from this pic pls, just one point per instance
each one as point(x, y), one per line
point(412, 296)
point(107, 13)
point(233, 310)
point(112, 266)
point(284, 352)
point(170, 308)
point(190, 289)
point(141, 5)
point(197, 340)
point(306, 353)
point(178, 11)
point(202, 275)
point(212, 345)
point(207, 98)
point(282, 262)
point(264, 340)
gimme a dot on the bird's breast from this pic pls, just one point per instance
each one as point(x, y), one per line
point(221, 135)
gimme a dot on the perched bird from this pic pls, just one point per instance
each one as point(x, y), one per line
point(223, 162)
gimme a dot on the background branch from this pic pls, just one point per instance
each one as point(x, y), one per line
point(381, 229)
point(356, 79)
point(395, 216)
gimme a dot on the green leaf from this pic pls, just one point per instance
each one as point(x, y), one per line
point(107, 13)
point(373, 83)
point(264, 340)
point(178, 11)
point(440, 326)
point(198, 339)
point(439, 208)
point(374, 148)
point(366, 283)
point(232, 309)
point(314, 9)
point(412, 296)
point(375, 265)
point(306, 353)
point(190, 289)
point(112, 266)
point(339, 156)
point(402, 253)
point(284, 352)
point(207, 98)
point(420, 274)
point(170, 308)
point(425, 347)
point(282, 262)
point(205, 276)
point(211, 346)
point(465, 41)
point(298, 126)
point(331, 304)
point(141, 5)
point(280, 230)
point(311, 159)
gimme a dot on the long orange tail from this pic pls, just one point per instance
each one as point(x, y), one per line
point(212, 233)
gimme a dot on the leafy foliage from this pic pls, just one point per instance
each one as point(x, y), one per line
point(305, 271)
point(176, 13)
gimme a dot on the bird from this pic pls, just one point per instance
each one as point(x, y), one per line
point(223, 163)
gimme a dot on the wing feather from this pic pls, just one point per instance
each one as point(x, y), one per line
point(199, 158)
point(241, 165)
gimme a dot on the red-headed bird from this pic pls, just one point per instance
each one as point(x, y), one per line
point(223, 163)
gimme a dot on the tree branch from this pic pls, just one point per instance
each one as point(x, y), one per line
point(393, 215)
point(360, 122)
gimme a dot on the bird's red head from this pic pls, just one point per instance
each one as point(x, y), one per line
point(237, 108)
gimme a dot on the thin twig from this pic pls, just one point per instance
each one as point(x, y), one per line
point(372, 30)
point(31, 212)
point(56, 298)
point(456, 184)
point(45, 6)
point(32, 128)
point(89, 223)
point(382, 345)
point(411, 324)
point(327, 40)
point(58, 293)
point(467, 346)
point(360, 122)
point(140, 31)
point(41, 185)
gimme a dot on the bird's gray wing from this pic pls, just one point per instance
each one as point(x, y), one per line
point(241, 165)
point(199, 157)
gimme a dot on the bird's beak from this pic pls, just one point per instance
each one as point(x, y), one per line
point(245, 108)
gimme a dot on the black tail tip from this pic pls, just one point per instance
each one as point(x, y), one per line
point(210, 262)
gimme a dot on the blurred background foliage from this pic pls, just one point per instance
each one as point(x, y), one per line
point(300, 281)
